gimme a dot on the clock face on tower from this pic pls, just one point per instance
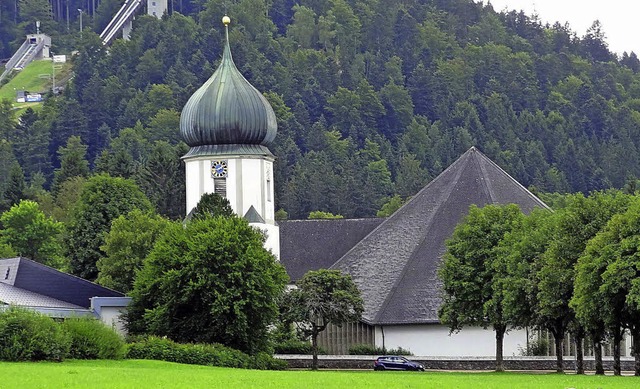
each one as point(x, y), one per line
point(219, 169)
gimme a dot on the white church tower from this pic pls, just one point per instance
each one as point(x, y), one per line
point(229, 125)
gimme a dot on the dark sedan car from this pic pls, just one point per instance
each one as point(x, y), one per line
point(392, 362)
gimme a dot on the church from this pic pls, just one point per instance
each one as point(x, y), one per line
point(229, 126)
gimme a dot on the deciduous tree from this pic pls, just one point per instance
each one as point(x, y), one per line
point(323, 297)
point(471, 271)
point(31, 234)
point(209, 281)
point(102, 200)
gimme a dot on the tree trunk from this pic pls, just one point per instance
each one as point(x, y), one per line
point(500, 330)
point(617, 338)
point(579, 337)
point(314, 350)
point(635, 347)
point(597, 354)
point(558, 337)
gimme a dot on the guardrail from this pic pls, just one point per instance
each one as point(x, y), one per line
point(15, 59)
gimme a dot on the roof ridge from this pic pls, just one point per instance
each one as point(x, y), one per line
point(485, 178)
point(400, 210)
point(513, 180)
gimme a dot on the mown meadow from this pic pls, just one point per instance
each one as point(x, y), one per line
point(142, 374)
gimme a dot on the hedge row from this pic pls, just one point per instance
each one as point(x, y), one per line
point(201, 354)
point(294, 346)
point(30, 336)
point(366, 349)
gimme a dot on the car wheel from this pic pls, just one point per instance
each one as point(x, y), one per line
point(378, 368)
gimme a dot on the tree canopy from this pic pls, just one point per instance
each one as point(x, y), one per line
point(102, 200)
point(209, 281)
point(323, 297)
point(471, 272)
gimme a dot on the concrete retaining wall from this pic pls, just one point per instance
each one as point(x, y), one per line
point(452, 363)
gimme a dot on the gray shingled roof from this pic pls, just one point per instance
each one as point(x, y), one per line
point(38, 279)
point(252, 216)
point(11, 295)
point(317, 244)
point(395, 266)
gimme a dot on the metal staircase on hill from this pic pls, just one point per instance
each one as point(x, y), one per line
point(121, 20)
point(30, 49)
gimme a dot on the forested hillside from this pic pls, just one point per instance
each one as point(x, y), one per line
point(373, 97)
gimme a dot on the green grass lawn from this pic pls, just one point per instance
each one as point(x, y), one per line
point(155, 374)
point(31, 79)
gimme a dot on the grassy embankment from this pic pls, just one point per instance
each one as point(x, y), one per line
point(155, 374)
point(36, 77)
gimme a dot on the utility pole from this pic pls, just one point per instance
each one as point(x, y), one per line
point(81, 12)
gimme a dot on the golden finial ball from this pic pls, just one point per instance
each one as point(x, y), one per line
point(226, 20)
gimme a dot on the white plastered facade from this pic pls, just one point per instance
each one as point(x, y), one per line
point(435, 340)
point(249, 182)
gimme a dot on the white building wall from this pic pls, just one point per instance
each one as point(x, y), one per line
point(273, 237)
point(434, 340)
point(111, 316)
point(156, 8)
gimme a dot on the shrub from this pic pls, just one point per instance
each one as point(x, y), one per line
point(200, 354)
point(369, 349)
point(264, 361)
point(537, 346)
point(92, 339)
point(30, 336)
point(293, 346)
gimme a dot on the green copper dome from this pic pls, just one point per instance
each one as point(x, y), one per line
point(227, 114)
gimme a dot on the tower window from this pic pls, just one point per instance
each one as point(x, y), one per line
point(268, 188)
point(220, 186)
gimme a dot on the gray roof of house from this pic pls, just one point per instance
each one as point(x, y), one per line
point(11, 295)
point(395, 266)
point(317, 244)
point(41, 280)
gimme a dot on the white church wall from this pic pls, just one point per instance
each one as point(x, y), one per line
point(434, 340)
point(247, 184)
point(273, 237)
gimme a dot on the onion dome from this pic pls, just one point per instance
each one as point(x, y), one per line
point(227, 115)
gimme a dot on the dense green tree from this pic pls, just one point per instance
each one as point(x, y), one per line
point(32, 143)
point(31, 234)
point(556, 111)
point(323, 215)
point(162, 178)
point(126, 245)
point(103, 199)
point(73, 162)
point(607, 280)
point(212, 205)
point(578, 222)
point(520, 253)
point(390, 206)
point(471, 272)
point(323, 297)
point(209, 281)
point(7, 120)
